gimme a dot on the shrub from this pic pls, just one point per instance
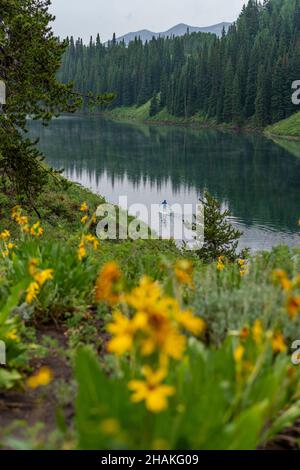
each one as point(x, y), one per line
point(220, 238)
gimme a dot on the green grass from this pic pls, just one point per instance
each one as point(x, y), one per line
point(287, 128)
point(141, 114)
point(58, 207)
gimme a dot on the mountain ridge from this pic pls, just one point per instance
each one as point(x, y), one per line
point(177, 30)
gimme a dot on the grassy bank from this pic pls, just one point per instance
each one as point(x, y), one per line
point(58, 211)
point(142, 114)
point(105, 336)
point(288, 128)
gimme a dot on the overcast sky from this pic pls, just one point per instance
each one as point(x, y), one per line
point(88, 17)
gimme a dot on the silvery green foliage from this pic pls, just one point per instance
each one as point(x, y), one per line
point(24, 311)
point(228, 302)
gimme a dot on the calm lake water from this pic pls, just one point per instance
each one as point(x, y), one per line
point(258, 179)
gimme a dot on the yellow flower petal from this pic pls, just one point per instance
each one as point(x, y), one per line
point(43, 377)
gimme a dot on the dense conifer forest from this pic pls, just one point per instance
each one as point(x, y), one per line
point(243, 77)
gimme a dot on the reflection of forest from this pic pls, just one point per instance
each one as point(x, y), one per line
point(257, 178)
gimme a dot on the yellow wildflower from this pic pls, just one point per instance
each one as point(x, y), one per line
point(39, 276)
point(31, 292)
point(93, 240)
point(23, 221)
point(84, 207)
point(145, 295)
point(293, 306)
point(239, 353)
point(257, 332)
point(12, 335)
point(123, 330)
point(152, 391)
point(5, 253)
point(286, 284)
point(159, 314)
point(84, 219)
point(278, 343)
point(41, 379)
point(244, 271)
point(26, 228)
point(43, 276)
point(220, 264)
point(106, 288)
point(33, 263)
point(165, 339)
point(279, 274)
point(243, 267)
point(20, 219)
point(16, 211)
point(191, 323)
point(158, 319)
point(11, 246)
point(81, 252)
point(184, 271)
point(5, 235)
point(36, 230)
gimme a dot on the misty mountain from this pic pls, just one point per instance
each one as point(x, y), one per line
point(178, 30)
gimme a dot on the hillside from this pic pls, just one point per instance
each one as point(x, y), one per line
point(178, 30)
point(287, 127)
point(243, 78)
point(60, 289)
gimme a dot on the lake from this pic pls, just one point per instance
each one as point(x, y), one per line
point(256, 178)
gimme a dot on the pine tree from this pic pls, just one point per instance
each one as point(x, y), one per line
point(228, 97)
point(261, 102)
point(220, 238)
point(154, 107)
point(277, 101)
point(237, 110)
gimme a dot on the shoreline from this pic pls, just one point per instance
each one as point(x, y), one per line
point(282, 137)
point(190, 124)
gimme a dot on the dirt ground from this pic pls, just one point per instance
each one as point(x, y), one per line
point(39, 405)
